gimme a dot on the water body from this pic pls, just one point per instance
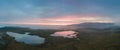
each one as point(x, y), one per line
point(65, 34)
point(26, 38)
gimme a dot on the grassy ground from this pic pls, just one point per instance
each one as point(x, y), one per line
point(89, 40)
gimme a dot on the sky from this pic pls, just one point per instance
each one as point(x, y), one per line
point(59, 12)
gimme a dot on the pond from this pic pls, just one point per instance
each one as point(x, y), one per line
point(65, 34)
point(26, 38)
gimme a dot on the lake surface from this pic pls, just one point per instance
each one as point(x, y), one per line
point(65, 34)
point(26, 38)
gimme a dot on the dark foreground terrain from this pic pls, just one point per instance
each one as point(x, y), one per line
point(88, 39)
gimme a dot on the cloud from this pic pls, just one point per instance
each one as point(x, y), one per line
point(61, 20)
point(58, 11)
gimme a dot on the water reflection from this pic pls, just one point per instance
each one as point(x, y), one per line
point(28, 39)
point(65, 34)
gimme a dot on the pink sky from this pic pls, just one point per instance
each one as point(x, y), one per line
point(62, 20)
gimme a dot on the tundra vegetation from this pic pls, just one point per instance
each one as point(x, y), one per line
point(87, 39)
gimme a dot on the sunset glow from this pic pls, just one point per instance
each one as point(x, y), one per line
point(57, 12)
point(63, 20)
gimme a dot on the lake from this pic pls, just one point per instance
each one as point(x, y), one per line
point(65, 34)
point(26, 38)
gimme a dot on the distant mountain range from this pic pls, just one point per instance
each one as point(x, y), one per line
point(31, 26)
point(90, 25)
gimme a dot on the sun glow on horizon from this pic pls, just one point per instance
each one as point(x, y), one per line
point(63, 20)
